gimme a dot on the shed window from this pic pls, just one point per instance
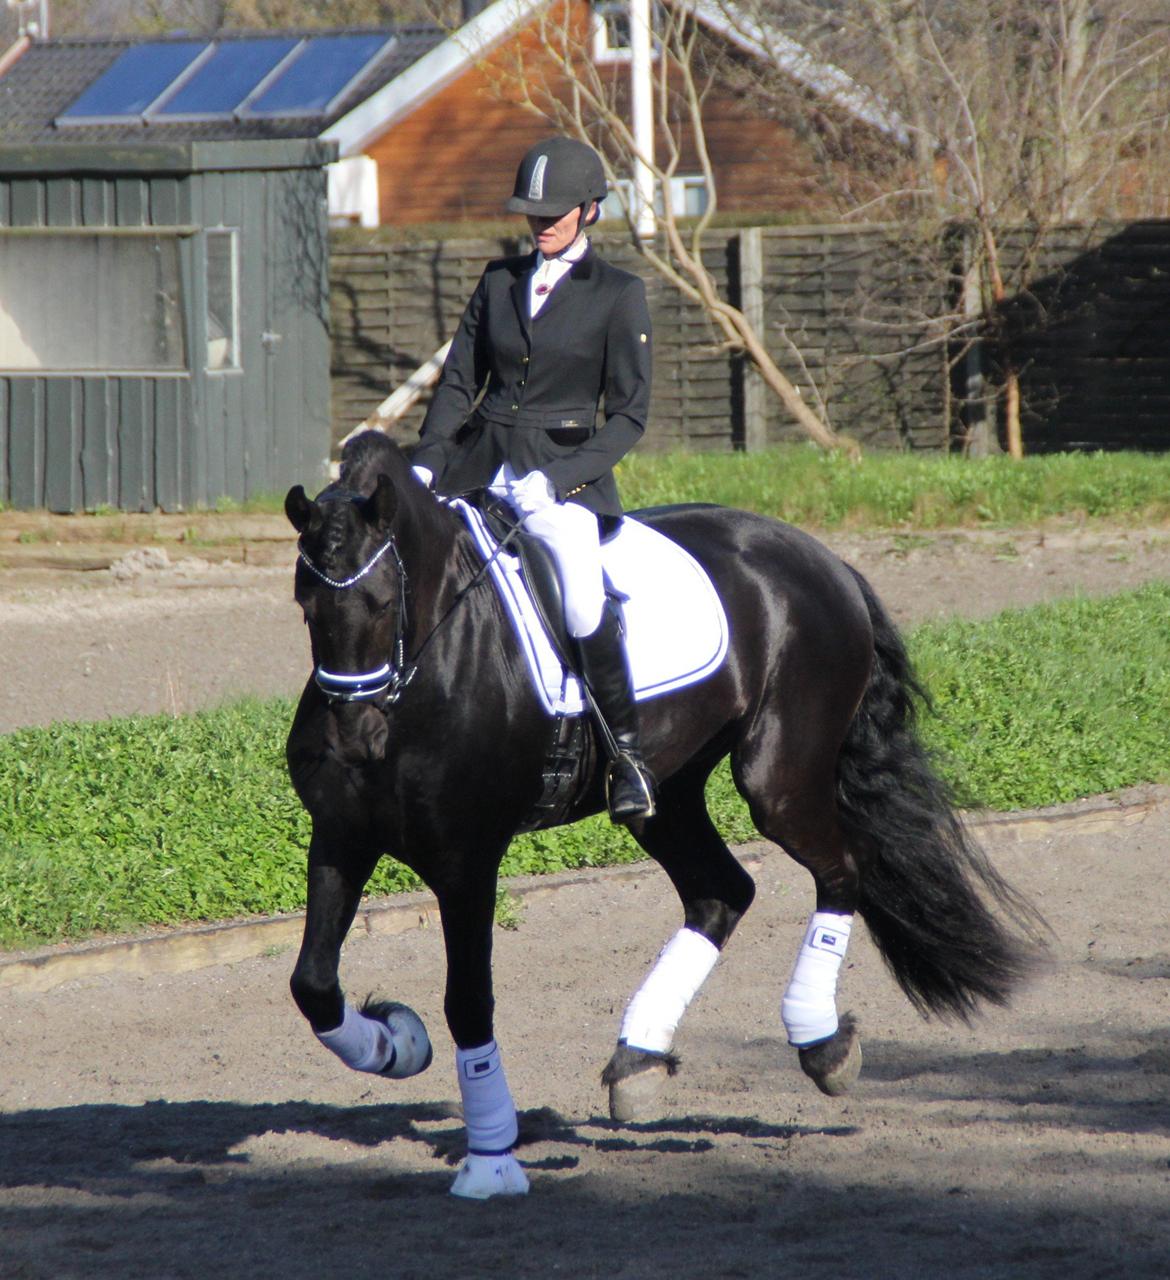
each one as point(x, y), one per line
point(223, 301)
point(81, 301)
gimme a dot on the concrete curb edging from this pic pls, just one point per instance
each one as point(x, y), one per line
point(201, 946)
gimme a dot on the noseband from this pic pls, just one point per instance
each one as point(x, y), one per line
point(391, 677)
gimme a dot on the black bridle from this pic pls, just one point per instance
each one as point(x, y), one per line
point(386, 683)
point(391, 677)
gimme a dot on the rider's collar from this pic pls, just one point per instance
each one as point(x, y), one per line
point(574, 253)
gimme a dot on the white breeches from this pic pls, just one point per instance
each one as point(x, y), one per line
point(570, 532)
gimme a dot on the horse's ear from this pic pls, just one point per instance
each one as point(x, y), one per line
point(301, 510)
point(382, 503)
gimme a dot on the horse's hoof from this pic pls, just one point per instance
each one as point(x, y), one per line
point(636, 1097)
point(408, 1036)
point(635, 1078)
point(482, 1177)
point(834, 1064)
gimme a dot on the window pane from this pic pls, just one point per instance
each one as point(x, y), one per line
point(134, 81)
point(317, 75)
point(694, 197)
point(227, 77)
point(88, 302)
point(223, 347)
point(617, 26)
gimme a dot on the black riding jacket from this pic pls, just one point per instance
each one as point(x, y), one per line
point(543, 381)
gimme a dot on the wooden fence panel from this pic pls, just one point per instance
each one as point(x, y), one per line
point(854, 316)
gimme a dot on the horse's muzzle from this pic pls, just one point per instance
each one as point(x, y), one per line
point(357, 733)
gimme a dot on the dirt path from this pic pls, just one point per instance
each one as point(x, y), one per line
point(187, 1125)
point(166, 629)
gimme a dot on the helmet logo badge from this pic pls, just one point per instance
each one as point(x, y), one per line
point(536, 183)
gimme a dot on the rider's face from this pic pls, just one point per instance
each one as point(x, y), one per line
point(552, 235)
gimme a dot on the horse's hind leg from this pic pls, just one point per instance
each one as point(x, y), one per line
point(715, 892)
point(382, 1037)
point(793, 803)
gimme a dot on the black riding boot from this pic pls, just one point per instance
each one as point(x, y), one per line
point(629, 788)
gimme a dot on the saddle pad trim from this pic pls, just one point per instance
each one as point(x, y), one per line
point(560, 690)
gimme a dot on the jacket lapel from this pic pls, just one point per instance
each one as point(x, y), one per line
point(569, 285)
point(519, 292)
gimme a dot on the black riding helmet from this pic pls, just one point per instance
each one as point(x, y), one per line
point(557, 175)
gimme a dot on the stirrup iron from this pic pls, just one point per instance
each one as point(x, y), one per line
point(637, 768)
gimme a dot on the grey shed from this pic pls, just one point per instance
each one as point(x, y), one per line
point(164, 314)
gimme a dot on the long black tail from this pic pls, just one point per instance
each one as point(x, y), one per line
point(926, 885)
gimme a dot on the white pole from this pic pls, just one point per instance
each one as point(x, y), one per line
point(642, 100)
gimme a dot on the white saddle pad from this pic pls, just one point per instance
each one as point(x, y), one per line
point(676, 629)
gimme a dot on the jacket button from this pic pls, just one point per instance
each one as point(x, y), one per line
point(521, 382)
point(523, 359)
point(515, 406)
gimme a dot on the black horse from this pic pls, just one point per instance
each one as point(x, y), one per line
point(419, 736)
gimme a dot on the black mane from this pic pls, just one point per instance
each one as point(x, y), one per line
point(367, 456)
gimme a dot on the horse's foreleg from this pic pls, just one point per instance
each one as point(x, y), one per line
point(489, 1113)
point(715, 892)
point(382, 1037)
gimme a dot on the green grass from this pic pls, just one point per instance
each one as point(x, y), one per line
point(880, 490)
point(116, 825)
point(806, 486)
point(1041, 706)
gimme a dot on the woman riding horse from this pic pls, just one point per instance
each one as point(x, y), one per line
point(419, 688)
point(551, 335)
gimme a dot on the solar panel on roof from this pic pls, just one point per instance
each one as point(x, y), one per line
point(265, 76)
point(135, 80)
point(322, 70)
point(225, 79)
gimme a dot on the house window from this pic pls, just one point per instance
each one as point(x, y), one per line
point(223, 301)
point(611, 30)
point(90, 302)
point(688, 197)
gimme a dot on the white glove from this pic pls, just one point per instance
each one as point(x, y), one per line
point(533, 493)
point(424, 476)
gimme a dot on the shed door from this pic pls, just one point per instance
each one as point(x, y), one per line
point(267, 342)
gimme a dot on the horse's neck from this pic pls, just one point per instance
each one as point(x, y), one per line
point(446, 563)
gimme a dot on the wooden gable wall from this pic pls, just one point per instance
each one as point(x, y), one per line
point(454, 157)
